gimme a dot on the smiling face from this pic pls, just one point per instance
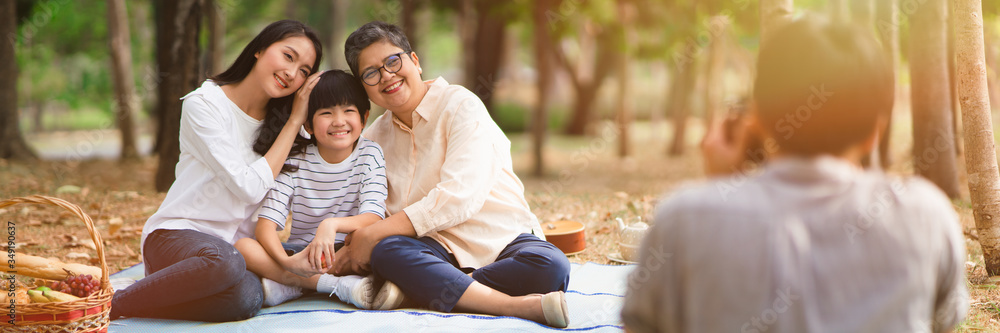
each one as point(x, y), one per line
point(397, 92)
point(283, 67)
point(336, 130)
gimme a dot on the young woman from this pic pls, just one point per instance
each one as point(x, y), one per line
point(460, 235)
point(193, 272)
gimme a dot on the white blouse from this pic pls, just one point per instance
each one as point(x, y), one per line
point(220, 181)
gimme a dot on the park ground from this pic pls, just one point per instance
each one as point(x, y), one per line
point(584, 181)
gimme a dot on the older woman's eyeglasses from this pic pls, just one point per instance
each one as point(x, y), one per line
point(392, 64)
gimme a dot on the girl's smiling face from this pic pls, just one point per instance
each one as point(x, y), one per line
point(282, 67)
point(400, 91)
point(336, 130)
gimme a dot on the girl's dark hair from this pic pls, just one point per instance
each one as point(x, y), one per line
point(278, 109)
point(335, 87)
point(271, 34)
point(371, 33)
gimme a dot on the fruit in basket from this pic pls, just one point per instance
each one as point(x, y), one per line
point(78, 285)
point(55, 296)
point(37, 297)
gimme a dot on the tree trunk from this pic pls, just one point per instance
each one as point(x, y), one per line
point(840, 10)
point(981, 160)
point(588, 74)
point(543, 65)
point(488, 52)
point(338, 26)
point(773, 14)
point(466, 26)
point(291, 9)
point(933, 132)
point(12, 144)
point(121, 76)
point(863, 13)
point(37, 125)
point(956, 108)
point(408, 21)
point(177, 30)
point(680, 100)
point(216, 18)
point(583, 108)
point(888, 30)
point(623, 118)
point(713, 93)
point(657, 104)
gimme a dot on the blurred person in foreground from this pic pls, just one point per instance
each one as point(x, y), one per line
point(811, 242)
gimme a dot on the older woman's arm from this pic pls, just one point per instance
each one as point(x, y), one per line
point(469, 173)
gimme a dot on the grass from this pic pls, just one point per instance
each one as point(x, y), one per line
point(584, 181)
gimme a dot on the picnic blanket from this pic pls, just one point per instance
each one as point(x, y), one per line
point(594, 297)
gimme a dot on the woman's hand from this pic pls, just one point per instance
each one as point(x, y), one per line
point(321, 249)
point(355, 256)
point(300, 106)
point(299, 264)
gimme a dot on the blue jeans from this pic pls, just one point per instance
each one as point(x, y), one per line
point(190, 275)
point(429, 275)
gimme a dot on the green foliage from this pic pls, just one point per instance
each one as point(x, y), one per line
point(513, 117)
point(61, 54)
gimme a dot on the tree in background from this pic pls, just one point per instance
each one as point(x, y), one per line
point(338, 30)
point(488, 47)
point(863, 12)
point(12, 144)
point(933, 132)
point(682, 84)
point(956, 108)
point(121, 72)
point(543, 63)
point(980, 157)
point(887, 26)
point(773, 14)
point(587, 45)
point(623, 114)
point(178, 26)
point(714, 66)
point(215, 18)
point(839, 10)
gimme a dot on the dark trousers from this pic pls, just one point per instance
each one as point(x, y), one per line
point(429, 275)
point(191, 276)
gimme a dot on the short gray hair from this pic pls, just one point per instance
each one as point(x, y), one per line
point(371, 33)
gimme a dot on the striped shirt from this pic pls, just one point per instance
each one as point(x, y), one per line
point(319, 190)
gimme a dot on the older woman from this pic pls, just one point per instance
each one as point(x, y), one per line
point(460, 235)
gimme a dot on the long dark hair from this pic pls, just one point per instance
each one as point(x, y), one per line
point(278, 109)
point(335, 87)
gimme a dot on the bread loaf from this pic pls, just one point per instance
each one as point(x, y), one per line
point(44, 268)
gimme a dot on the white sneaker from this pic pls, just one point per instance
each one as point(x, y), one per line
point(388, 297)
point(362, 294)
point(276, 293)
point(356, 290)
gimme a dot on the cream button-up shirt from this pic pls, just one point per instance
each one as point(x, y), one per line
point(452, 175)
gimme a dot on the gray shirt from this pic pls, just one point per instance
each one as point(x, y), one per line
point(805, 246)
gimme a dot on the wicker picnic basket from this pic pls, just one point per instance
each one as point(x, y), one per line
point(88, 314)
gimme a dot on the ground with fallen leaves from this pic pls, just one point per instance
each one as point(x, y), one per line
point(585, 182)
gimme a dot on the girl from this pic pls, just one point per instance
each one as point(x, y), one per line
point(193, 272)
point(460, 234)
point(334, 182)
